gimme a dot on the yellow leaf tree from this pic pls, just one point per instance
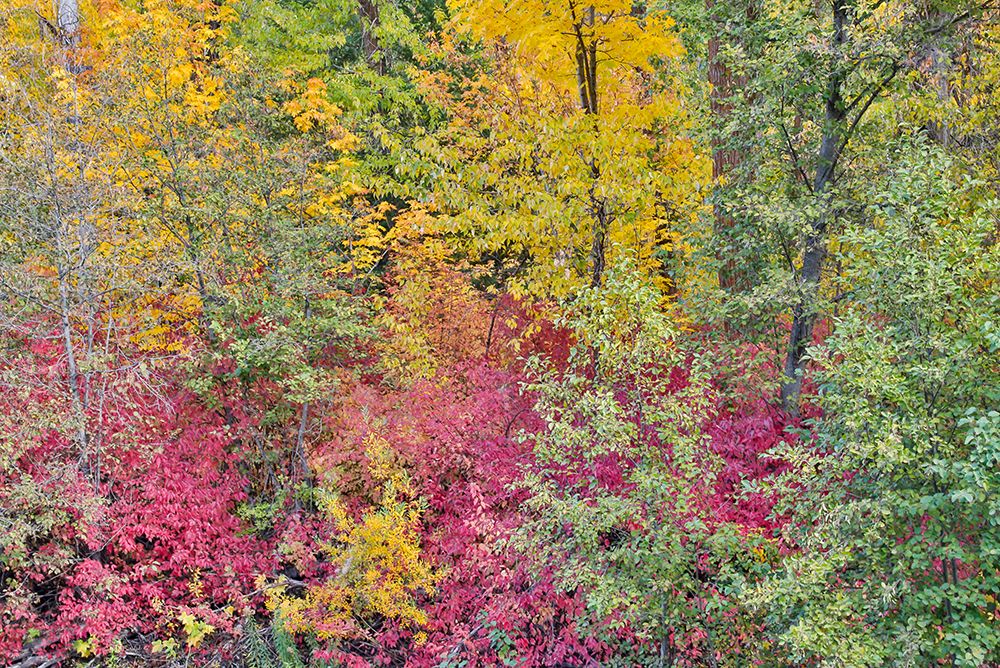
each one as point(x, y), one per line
point(569, 147)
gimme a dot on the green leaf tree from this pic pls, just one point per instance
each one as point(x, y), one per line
point(896, 556)
point(618, 506)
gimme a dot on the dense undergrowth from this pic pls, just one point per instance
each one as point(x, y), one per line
point(481, 333)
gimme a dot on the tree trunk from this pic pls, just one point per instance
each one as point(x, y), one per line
point(586, 79)
point(68, 21)
point(300, 437)
point(586, 59)
point(724, 158)
point(73, 373)
point(368, 12)
point(599, 245)
point(943, 61)
point(814, 250)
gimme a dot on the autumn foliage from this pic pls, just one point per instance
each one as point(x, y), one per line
point(393, 334)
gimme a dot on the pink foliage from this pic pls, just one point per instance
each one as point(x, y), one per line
point(158, 535)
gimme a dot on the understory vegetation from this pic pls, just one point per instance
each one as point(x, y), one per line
point(499, 333)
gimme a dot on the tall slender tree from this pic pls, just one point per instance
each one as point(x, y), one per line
point(865, 47)
point(730, 29)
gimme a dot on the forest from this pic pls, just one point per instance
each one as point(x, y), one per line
point(475, 333)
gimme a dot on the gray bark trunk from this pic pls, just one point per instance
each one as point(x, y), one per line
point(814, 251)
point(68, 21)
